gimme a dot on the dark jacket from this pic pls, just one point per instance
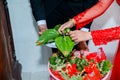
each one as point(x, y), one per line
point(42, 8)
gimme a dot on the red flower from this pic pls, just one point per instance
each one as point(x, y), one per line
point(91, 56)
point(71, 69)
point(97, 57)
point(89, 69)
point(93, 74)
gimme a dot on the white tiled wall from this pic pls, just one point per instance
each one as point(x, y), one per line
point(33, 58)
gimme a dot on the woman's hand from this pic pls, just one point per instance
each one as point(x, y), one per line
point(79, 35)
point(68, 24)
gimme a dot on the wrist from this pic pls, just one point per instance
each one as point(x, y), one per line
point(41, 22)
point(42, 26)
point(89, 35)
point(73, 22)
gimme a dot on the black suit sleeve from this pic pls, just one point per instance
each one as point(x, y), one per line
point(38, 9)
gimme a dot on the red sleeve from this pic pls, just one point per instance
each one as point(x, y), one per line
point(87, 16)
point(118, 1)
point(104, 36)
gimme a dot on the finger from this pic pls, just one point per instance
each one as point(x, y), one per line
point(43, 28)
point(76, 41)
point(74, 38)
point(61, 29)
point(71, 35)
point(40, 33)
point(72, 32)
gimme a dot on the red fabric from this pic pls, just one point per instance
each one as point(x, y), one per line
point(87, 16)
point(116, 66)
point(81, 24)
point(104, 36)
point(118, 1)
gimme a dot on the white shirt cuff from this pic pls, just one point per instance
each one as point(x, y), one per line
point(85, 29)
point(40, 22)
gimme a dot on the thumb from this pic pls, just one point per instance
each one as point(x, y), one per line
point(40, 32)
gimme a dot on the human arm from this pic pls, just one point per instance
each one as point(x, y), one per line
point(99, 37)
point(38, 9)
point(104, 36)
point(39, 14)
point(87, 16)
point(90, 14)
point(118, 1)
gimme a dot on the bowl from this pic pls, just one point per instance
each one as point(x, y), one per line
point(53, 77)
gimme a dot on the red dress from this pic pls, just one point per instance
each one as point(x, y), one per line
point(105, 36)
point(87, 16)
point(116, 68)
point(118, 1)
point(109, 34)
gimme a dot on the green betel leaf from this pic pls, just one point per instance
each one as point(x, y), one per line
point(64, 44)
point(57, 27)
point(47, 36)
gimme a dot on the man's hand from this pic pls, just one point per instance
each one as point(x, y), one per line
point(42, 28)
